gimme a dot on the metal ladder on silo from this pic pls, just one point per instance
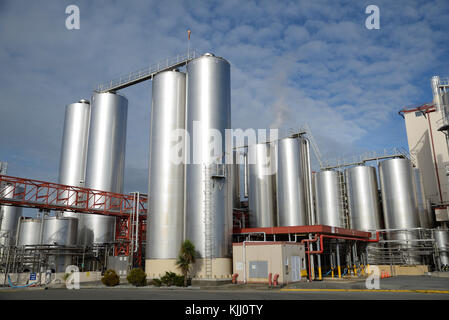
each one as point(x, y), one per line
point(208, 221)
point(343, 199)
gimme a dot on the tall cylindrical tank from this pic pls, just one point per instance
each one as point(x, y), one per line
point(72, 164)
point(107, 142)
point(441, 237)
point(400, 206)
point(307, 180)
point(60, 231)
point(97, 229)
point(73, 158)
point(166, 176)
point(399, 202)
point(423, 209)
point(29, 232)
point(106, 155)
point(10, 215)
point(363, 200)
point(328, 197)
point(262, 185)
point(208, 208)
point(291, 197)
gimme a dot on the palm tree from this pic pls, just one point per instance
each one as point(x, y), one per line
point(186, 258)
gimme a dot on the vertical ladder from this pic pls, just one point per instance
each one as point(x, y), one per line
point(343, 205)
point(208, 220)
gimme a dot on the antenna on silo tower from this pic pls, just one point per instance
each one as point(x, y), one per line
point(188, 43)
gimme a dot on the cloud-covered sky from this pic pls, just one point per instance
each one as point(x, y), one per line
point(292, 62)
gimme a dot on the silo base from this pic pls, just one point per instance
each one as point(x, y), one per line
point(221, 268)
point(156, 268)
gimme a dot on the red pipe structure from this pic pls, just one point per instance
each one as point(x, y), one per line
point(322, 236)
point(53, 196)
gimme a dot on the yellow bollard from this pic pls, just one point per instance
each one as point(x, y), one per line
point(355, 270)
point(319, 273)
point(339, 272)
point(332, 270)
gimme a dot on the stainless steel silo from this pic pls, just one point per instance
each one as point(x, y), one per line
point(290, 188)
point(60, 231)
point(262, 185)
point(399, 202)
point(105, 157)
point(363, 200)
point(97, 229)
point(441, 237)
point(73, 158)
point(72, 164)
point(29, 232)
point(423, 209)
point(208, 208)
point(166, 176)
point(307, 180)
point(400, 206)
point(328, 198)
point(10, 216)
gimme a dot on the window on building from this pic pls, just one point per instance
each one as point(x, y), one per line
point(418, 114)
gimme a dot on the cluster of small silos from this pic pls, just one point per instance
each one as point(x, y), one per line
point(92, 156)
point(280, 184)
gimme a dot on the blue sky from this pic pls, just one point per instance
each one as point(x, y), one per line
point(291, 62)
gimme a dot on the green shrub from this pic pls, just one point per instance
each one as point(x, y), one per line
point(137, 277)
point(110, 278)
point(156, 282)
point(172, 279)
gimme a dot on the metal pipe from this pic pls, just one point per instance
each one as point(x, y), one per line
point(137, 221)
point(311, 208)
point(338, 261)
point(246, 172)
point(319, 262)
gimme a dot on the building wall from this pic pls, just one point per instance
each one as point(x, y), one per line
point(419, 138)
point(277, 255)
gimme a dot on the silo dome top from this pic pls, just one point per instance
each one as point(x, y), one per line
point(209, 54)
point(84, 101)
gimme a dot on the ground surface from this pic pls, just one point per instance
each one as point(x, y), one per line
point(401, 287)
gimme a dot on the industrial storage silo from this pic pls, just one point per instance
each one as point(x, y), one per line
point(363, 200)
point(441, 237)
point(10, 215)
point(29, 232)
point(72, 163)
point(208, 209)
point(166, 173)
point(400, 206)
point(290, 188)
point(328, 197)
point(307, 180)
point(424, 211)
point(105, 159)
point(59, 231)
point(262, 185)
